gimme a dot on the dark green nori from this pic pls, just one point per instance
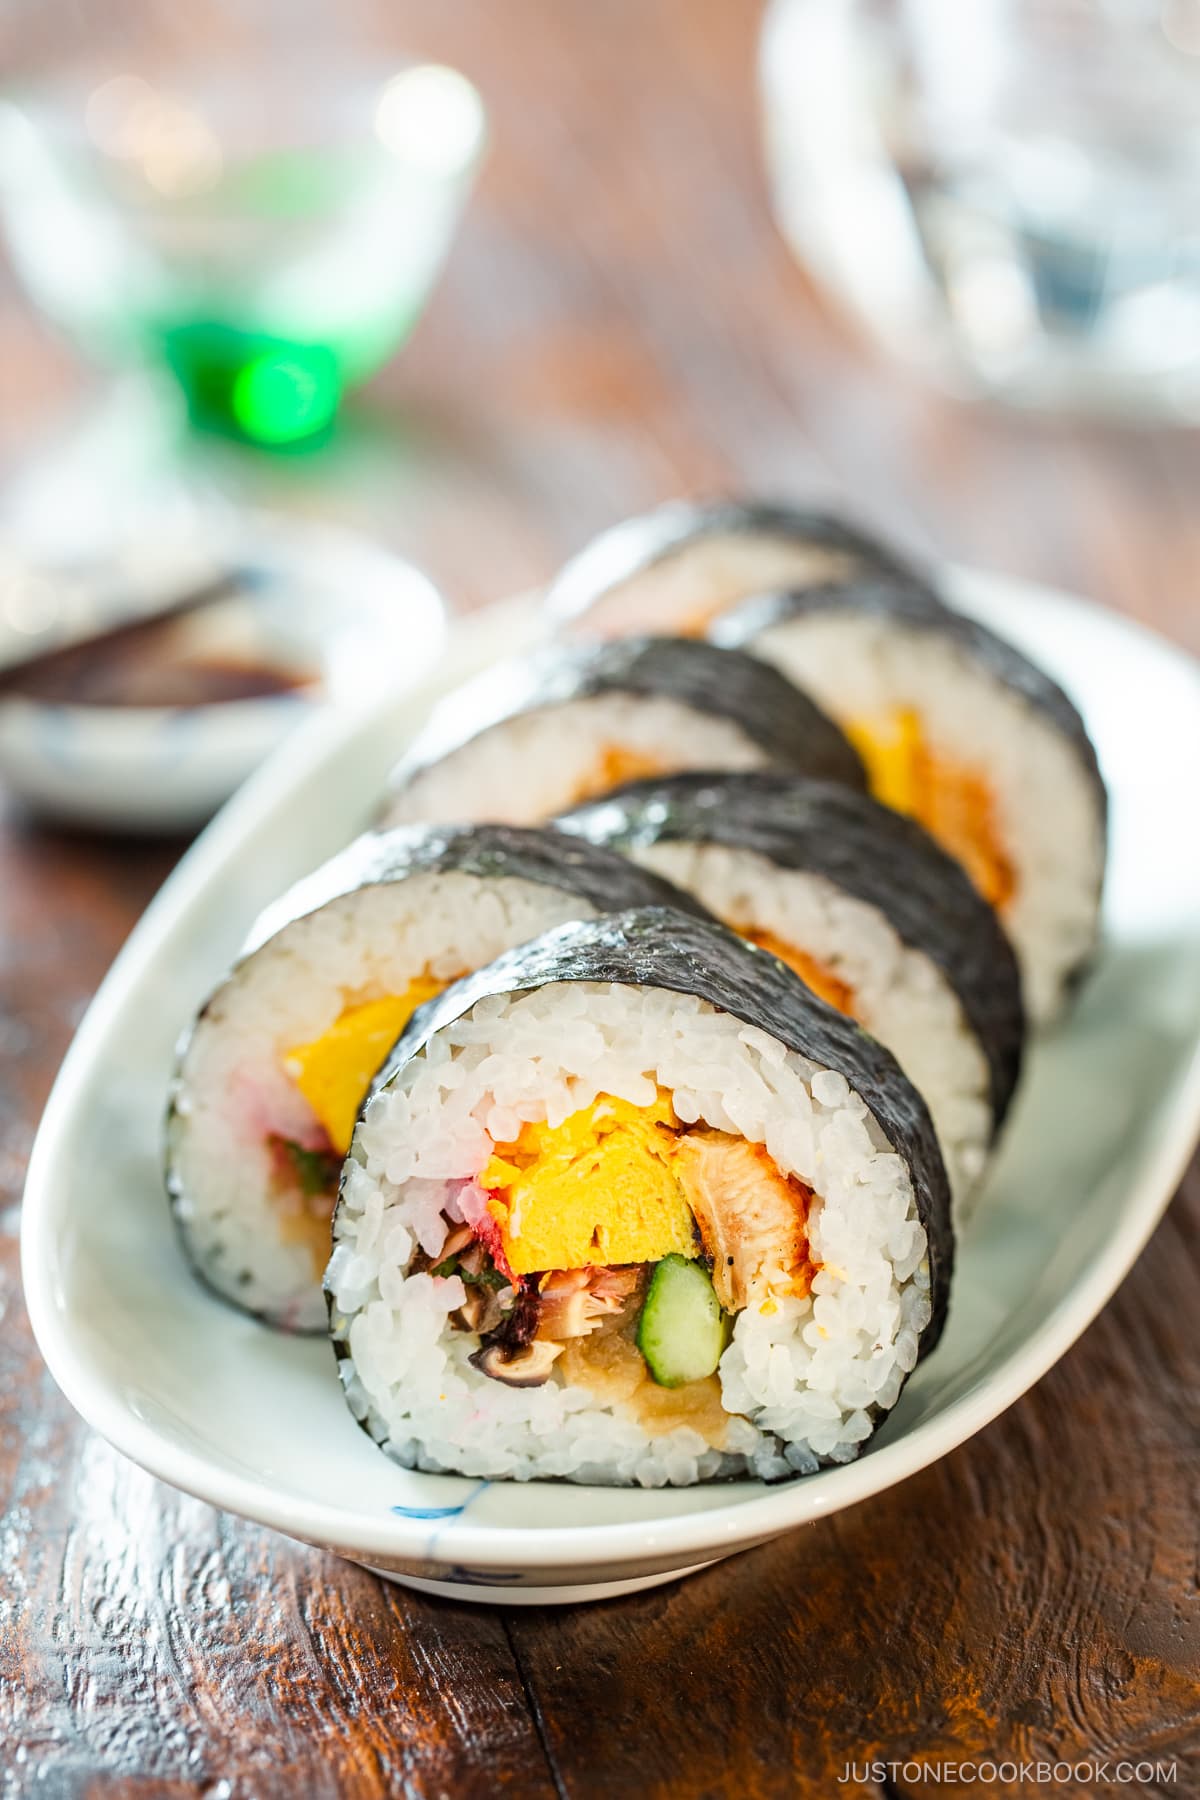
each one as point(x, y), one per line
point(866, 850)
point(635, 545)
point(909, 603)
point(784, 723)
point(605, 879)
point(654, 947)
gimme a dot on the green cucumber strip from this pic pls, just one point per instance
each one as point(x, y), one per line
point(681, 1332)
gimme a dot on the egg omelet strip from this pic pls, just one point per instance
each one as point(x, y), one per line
point(335, 1070)
point(597, 1190)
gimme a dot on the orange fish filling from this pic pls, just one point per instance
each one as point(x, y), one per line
point(695, 624)
point(616, 765)
point(824, 983)
point(954, 803)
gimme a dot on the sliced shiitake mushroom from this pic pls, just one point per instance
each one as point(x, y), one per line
point(480, 1311)
point(528, 1368)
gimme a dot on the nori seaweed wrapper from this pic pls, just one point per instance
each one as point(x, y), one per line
point(659, 948)
point(636, 545)
point(875, 855)
point(917, 607)
point(602, 877)
point(783, 722)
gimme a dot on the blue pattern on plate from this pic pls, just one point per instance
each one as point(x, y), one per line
point(478, 1577)
point(440, 1512)
point(442, 1517)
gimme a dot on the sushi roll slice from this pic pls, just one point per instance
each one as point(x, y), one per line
point(272, 1076)
point(961, 731)
point(676, 568)
point(865, 908)
point(535, 737)
point(632, 1205)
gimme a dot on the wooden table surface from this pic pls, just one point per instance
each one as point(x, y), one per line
point(619, 323)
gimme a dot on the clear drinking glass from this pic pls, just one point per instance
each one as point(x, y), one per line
point(269, 239)
point(1003, 192)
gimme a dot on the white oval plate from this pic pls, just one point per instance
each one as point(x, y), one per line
point(254, 1422)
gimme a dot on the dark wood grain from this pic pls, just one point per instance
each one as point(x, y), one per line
point(618, 323)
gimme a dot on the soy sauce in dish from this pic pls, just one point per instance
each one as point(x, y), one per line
point(155, 665)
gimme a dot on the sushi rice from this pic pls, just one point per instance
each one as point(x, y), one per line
point(537, 762)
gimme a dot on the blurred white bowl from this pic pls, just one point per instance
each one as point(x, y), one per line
point(319, 598)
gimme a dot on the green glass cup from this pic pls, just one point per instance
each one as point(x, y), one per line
point(271, 244)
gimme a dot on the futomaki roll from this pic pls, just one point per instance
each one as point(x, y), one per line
point(632, 1205)
point(963, 732)
point(531, 738)
point(866, 909)
point(273, 1073)
point(676, 568)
